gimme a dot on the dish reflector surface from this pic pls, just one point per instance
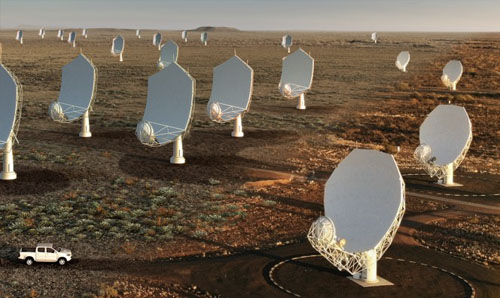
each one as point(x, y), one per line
point(403, 59)
point(363, 198)
point(287, 41)
point(77, 87)
point(374, 36)
point(168, 53)
point(19, 35)
point(169, 106)
point(118, 45)
point(157, 39)
point(231, 90)
point(204, 36)
point(71, 36)
point(184, 34)
point(8, 104)
point(447, 130)
point(453, 70)
point(296, 74)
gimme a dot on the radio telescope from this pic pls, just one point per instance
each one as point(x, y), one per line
point(445, 138)
point(60, 34)
point(364, 205)
point(184, 35)
point(169, 110)
point(287, 42)
point(11, 99)
point(72, 38)
point(204, 38)
point(117, 47)
point(78, 88)
point(138, 33)
point(168, 54)
point(374, 37)
point(231, 93)
point(85, 32)
point(403, 60)
point(19, 36)
point(296, 76)
point(452, 72)
point(41, 33)
point(157, 40)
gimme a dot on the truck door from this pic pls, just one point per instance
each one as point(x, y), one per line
point(40, 254)
point(51, 255)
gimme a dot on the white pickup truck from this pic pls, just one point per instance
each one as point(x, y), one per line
point(45, 252)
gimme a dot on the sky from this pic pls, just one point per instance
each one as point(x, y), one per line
point(276, 15)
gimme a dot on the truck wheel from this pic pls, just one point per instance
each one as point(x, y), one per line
point(61, 261)
point(29, 261)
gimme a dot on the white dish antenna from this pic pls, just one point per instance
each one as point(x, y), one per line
point(85, 32)
point(169, 110)
point(286, 42)
point(78, 88)
point(19, 36)
point(117, 47)
point(10, 116)
point(184, 35)
point(60, 34)
point(364, 205)
point(168, 54)
point(374, 37)
point(157, 40)
point(138, 33)
point(232, 89)
point(452, 72)
point(41, 33)
point(72, 38)
point(204, 38)
point(402, 60)
point(297, 76)
point(445, 138)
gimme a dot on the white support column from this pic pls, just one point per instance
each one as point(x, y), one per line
point(369, 275)
point(185, 39)
point(8, 162)
point(454, 86)
point(21, 40)
point(205, 43)
point(74, 43)
point(62, 37)
point(238, 128)
point(85, 132)
point(159, 46)
point(121, 57)
point(301, 102)
point(178, 154)
point(288, 50)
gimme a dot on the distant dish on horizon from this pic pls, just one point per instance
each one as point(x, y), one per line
point(78, 89)
point(118, 46)
point(231, 94)
point(41, 33)
point(11, 99)
point(169, 110)
point(184, 35)
point(72, 38)
point(297, 76)
point(138, 33)
point(19, 36)
point(85, 32)
point(452, 72)
point(374, 37)
point(402, 60)
point(286, 42)
point(157, 38)
point(204, 38)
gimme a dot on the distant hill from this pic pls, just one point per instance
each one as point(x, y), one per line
point(216, 29)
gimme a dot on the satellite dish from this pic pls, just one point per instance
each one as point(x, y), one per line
point(72, 38)
point(452, 72)
point(403, 60)
point(445, 138)
point(19, 36)
point(41, 33)
point(169, 110)
point(204, 38)
point(157, 40)
point(60, 34)
point(78, 88)
point(296, 76)
point(231, 93)
point(374, 37)
point(117, 47)
point(138, 33)
point(10, 116)
point(85, 32)
point(185, 36)
point(364, 205)
point(286, 42)
point(168, 54)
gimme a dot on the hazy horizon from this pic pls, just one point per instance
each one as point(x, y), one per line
point(256, 15)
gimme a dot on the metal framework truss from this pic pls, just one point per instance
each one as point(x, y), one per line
point(221, 112)
point(290, 90)
point(333, 249)
point(170, 132)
